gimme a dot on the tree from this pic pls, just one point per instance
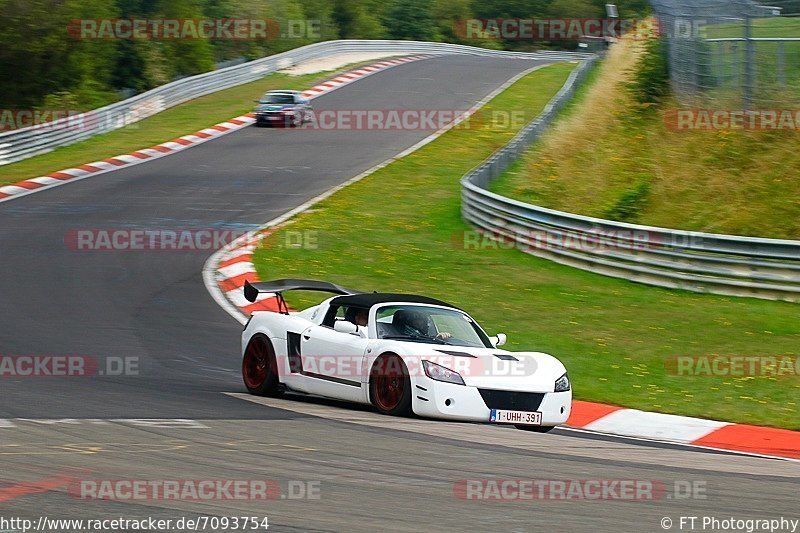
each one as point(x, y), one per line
point(39, 57)
point(576, 9)
point(411, 19)
point(448, 14)
point(358, 19)
point(510, 8)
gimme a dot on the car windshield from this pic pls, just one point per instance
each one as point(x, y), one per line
point(277, 98)
point(437, 325)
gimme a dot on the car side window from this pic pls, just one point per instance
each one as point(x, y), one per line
point(355, 315)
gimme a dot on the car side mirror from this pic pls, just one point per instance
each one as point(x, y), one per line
point(343, 326)
point(499, 339)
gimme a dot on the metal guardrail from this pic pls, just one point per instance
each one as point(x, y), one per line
point(694, 261)
point(27, 142)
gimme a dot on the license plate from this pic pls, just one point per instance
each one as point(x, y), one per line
point(500, 416)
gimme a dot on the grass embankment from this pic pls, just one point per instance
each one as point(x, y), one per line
point(608, 157)
point(184, 119)
point(400, 229)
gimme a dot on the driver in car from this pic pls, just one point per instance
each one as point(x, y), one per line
point(360, 318)
point(357, 316)
point(414, 324)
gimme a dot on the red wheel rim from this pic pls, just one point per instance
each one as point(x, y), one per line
point(255, 365)
point(390, 382)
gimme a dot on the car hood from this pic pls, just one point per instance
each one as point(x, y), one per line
point(490, 367)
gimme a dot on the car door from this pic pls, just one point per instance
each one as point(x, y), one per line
point(332, 363)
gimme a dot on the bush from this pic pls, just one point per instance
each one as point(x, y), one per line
point(631, 202)
point(650, 85)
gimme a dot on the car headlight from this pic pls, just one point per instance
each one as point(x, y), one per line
point(440, 373)
point(562, 383)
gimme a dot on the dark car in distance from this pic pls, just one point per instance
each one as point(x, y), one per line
point(283, 108)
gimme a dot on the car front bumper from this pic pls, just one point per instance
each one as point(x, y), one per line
point(279, 118)
point(437, 399)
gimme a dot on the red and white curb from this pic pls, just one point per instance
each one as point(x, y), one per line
point(350, 77)
point(69, 175)
point(234, 268)
point(698, 432)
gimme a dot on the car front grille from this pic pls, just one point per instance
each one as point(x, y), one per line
point(512, 400)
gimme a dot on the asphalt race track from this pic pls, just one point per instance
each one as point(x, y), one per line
point(370, 471)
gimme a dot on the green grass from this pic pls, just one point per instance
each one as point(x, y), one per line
point(776, 74)
point(184, 119)
point(607, 158)
point(400, 229)
point(761, 27)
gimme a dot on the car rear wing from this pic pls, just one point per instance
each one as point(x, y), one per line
point(278, 286)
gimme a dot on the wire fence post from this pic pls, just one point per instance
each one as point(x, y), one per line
point(749, 63)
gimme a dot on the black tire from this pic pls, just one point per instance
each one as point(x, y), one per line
point(260, 368)
point(390, 385)
point(535, 429)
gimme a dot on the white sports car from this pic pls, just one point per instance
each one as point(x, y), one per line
point(401, 353)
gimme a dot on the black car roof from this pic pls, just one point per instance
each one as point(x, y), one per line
point(370, 299)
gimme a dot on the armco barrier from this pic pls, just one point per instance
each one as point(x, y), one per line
point(699, 262)
point(20, 144)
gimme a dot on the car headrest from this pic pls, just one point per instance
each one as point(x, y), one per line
point(404, 317)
